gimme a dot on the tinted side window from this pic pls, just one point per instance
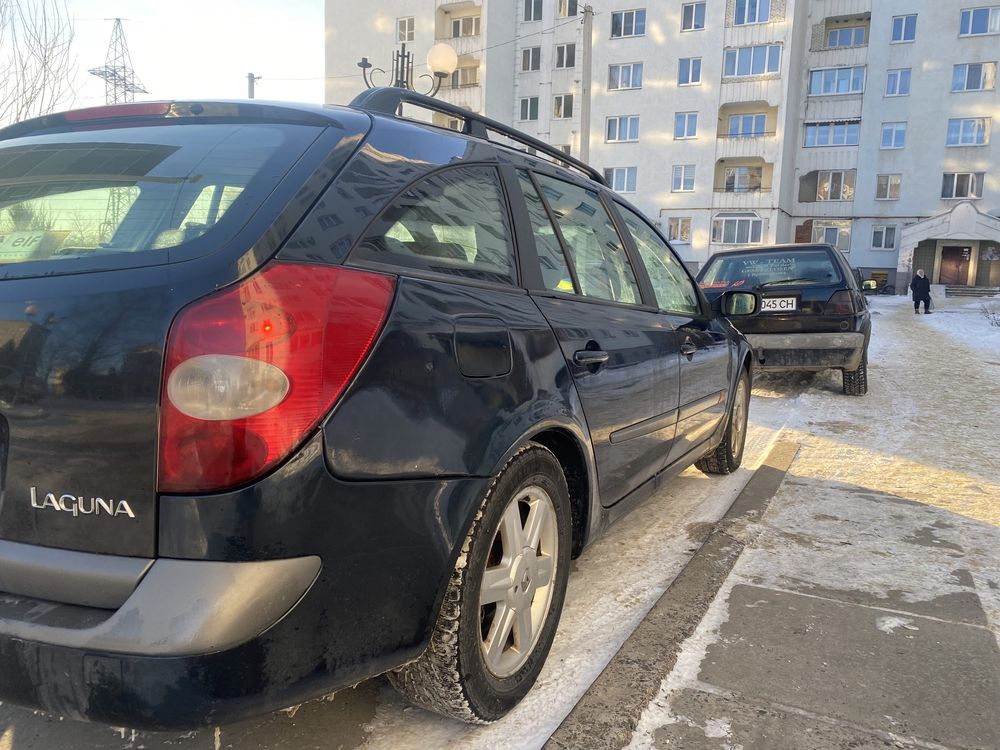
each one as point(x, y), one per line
point(452, 222)
point(593, 244)
point(673, 288)
point(555, 271)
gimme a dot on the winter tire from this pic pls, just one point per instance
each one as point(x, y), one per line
point(856, 381)
point(728, 456)
point(503, 601)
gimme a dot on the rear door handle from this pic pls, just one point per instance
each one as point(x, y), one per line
point(590, 357)
point(688, 349)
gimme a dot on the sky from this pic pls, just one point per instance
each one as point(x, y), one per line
point(205, 48)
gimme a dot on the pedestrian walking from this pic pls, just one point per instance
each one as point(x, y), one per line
point(921, 288)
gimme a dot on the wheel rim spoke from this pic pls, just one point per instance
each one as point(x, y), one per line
point(511, 531)
point(496, 584)
point(543, 570)
point(537, 517)
point(499, 634)
point(524, 630)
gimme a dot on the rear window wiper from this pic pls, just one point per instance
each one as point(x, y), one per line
point(788, 281)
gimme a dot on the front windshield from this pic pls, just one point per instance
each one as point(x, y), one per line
point(772, 268)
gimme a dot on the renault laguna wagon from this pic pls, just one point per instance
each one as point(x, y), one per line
point(296, 396)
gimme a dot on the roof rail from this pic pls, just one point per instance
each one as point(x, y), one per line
point(388, 99)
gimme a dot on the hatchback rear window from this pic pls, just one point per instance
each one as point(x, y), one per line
point(771, 268)
point(137, 190)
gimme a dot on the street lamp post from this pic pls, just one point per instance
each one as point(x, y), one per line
point(441, 61)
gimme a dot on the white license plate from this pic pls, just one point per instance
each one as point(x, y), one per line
point(779, 304)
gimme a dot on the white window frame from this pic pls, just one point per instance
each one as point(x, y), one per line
point(741, 120)
point(838, 31)
point(694, 12)
point(682, 175)
point(898, 75)
point(565, 56)
point(619, 68)
point(751, 54)
point(405, 28)
point(527, 104)
point(629, 19)
point(900, 24)
point(690, 125)
point(898, 139)
point(466, 26)
point(969, 129)
point(622, 179)
point(992, 22)
point(834, 75)
point(987, 76)
point(822, 227)
point(692, 63)
point(627, 125)
point(886, 234)
point(465, 76)
point(531, 59)
point(679, 230)
point(844, 179)
point(831, 130)
point(567, 8)
point(888, 181)
point(749, 226)
point(562, 107)
point(744, 179)
point(532, 10)
point(974, 183)
point(753, 12)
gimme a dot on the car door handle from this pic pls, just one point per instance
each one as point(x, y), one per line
point(688, 349)
point(590, 357)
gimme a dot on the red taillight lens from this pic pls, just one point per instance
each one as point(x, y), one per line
point(139, 109)
point(251, 370)
point(841, 303)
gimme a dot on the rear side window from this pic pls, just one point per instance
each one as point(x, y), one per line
point(671, 284)
point(592, 242)
point(453, 222)
point(770, 268)
point(555, 271)
point(137, 189)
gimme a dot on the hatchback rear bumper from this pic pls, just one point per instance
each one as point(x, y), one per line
point(807, 351)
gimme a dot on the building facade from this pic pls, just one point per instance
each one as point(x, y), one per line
point(864, 123)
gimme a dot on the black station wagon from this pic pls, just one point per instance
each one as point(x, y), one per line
point(296, 396)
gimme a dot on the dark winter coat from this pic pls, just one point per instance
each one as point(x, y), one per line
point(921, 288)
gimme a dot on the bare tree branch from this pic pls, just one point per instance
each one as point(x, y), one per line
point(36, 62)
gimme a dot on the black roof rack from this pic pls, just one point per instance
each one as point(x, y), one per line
point(387, 100)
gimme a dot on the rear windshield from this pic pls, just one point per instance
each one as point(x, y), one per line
point(137, 190)
point(772, 268)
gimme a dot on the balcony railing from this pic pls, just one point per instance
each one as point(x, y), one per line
point(748, 136)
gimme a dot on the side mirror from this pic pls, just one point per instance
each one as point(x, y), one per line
point(869, 285)
point(740, 304)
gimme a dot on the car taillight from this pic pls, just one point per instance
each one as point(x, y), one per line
point(251, 370)
point(841, 303)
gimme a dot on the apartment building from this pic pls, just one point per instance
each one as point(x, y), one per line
point(865, 123)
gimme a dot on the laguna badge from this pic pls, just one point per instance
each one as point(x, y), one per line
point(79, 505)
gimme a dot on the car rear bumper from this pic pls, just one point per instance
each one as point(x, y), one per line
point(807, 351)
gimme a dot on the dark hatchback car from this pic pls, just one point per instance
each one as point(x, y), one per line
point(295, 396)
point(813, 315)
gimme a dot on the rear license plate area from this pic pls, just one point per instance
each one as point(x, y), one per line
point(779, 304)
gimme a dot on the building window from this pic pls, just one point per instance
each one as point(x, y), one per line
point(679, 229)
point(752, 11)
point(565, 55)
point(846, 36)
point(562, 106)
point(468, 26)
point(621, 179)
point(893, 135)
point(883, 237)
point(531, 58)
point(568, 150)
point(743, 179)
point(969, 131)
point(404, 29)
point(974, 77)
point(692, 16)
point(689, 71)
point(752, 61)
point(622, 129)
point(532, 10)
point(887, 187)
point(962, 184)
point(836, 186)
point(845, 133)
point(685, 125)
point(747, 126)
point(897, 82)
point(625, 76)
point(737, 229)
point(628, 23)
point(683, 178)
point(465, 77)
point(836, 232)
point(529, 108)
point(976, 21)
point(567, 8)
point(904, 28)
point(824, 81)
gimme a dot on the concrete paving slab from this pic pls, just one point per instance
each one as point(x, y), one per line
point(913, 675)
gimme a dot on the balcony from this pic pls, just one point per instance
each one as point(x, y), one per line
point(463, 45)
point(762, 145)
point(468, 96)
point(453, 6)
